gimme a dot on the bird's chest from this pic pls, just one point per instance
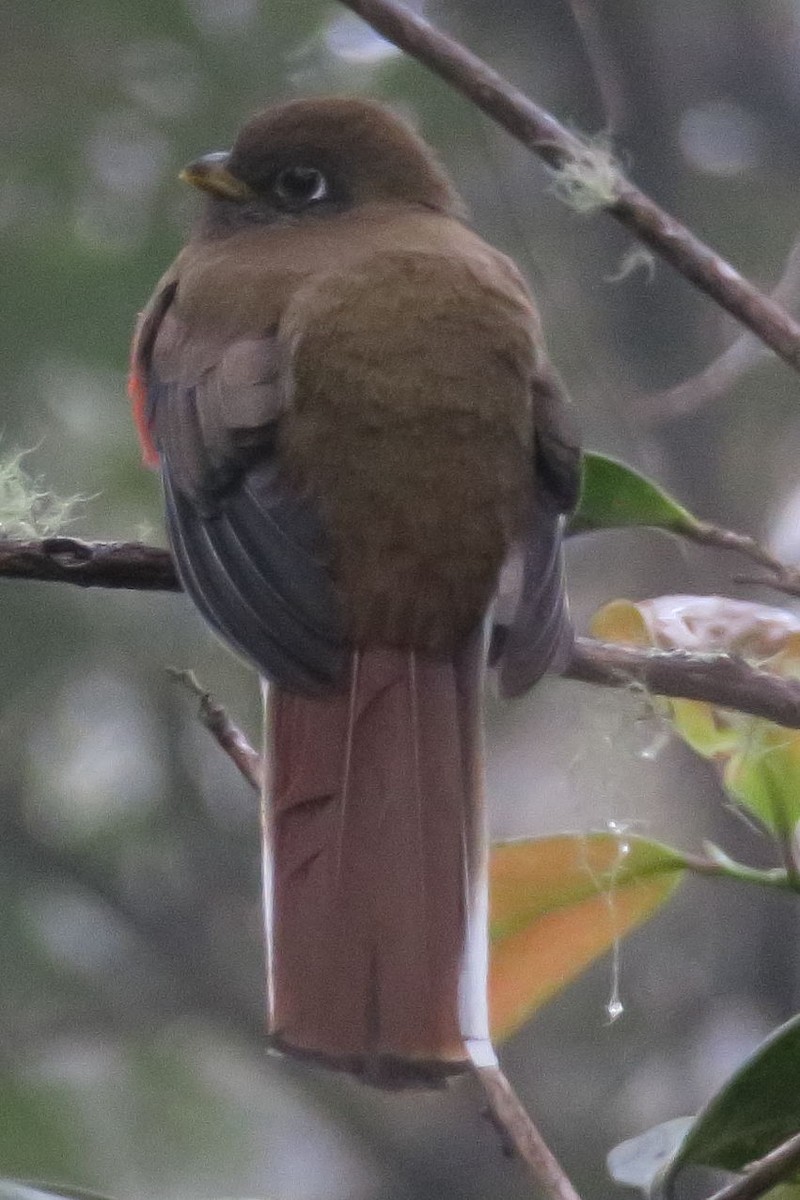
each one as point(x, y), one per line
point(420, 510)
point(410, 424)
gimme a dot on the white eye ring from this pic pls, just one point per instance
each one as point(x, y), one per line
point(296, 187)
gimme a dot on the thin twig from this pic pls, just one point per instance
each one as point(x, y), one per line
point(721, 375)
point(604, 69)
point(786, 581)
point(782, 577)
point(229, 736)
point(706, 534)
point(519, 1131)
point(563, 151)
point(234, 743)
point(720, 866)
point(762, 1175)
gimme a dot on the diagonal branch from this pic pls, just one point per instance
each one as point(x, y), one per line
point(724, 372)
point(519, 1132)
point(228, 736)
point(780, 1164)
point(782, 577)
point(569, 155)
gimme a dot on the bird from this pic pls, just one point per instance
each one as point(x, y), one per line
point(362, 441)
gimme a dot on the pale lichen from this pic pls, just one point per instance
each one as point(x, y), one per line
point(592, 179)
point(27, 508)
point(635, 259)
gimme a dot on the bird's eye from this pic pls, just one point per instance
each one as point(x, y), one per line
point(296, 187)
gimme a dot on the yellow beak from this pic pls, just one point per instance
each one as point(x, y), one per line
point(210, 173)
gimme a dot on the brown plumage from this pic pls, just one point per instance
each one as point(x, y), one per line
point(358, 427)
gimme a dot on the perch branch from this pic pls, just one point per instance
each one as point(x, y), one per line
point(140, 567)
point(89, 564)
point(716, 678)
point(568, 155)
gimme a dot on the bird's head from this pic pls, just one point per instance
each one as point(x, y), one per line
point(311, 158)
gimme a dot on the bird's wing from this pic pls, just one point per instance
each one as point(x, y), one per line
point(249, 549)
point(540, 634)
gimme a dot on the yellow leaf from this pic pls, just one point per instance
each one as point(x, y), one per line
point(621, 621)
point(759, 762)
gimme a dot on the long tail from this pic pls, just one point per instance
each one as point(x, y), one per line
point(375, 870)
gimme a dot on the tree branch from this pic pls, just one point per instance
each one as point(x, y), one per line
point(228, 736)
point(782, 578)
point(568, 154)
point(144, 568)
point(604, 69)
point(721, 679)
point(762, 1175)
point(720, 376)
point(520, 1134)
point(89, 564)
point(716, 678)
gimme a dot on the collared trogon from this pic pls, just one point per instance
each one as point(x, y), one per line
point(357, 427)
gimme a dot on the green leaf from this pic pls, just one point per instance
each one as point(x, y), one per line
point(756, 1110)
point(764, 775)
point(40, 1131)
point(784, 1191)
point(615, 496)
point(558, 903)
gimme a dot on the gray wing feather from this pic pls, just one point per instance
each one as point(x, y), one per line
point(250, 551)
point(274, 607)
point(540, 636)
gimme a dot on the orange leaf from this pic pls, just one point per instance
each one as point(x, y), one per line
point(559, 903)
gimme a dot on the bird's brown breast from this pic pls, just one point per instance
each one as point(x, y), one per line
point(410, 425)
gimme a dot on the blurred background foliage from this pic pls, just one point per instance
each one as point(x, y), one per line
point(131, 1057)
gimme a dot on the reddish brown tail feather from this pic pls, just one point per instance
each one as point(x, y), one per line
point(375, 865)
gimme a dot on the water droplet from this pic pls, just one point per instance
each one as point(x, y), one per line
point(615, 1008)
